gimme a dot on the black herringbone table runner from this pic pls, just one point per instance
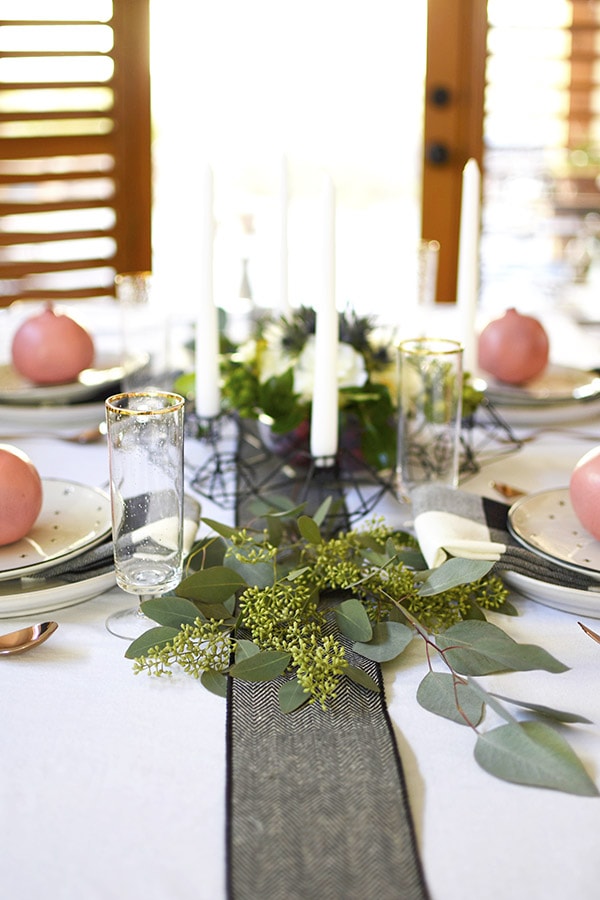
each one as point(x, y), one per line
point(317, 807)
point(317, 803)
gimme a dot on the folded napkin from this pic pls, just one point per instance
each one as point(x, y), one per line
point(99, 559)
point(451, 522)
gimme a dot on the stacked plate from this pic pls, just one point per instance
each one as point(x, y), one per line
point(561, 394)
point(26, 405)
point(74, 518)
point(545, 523)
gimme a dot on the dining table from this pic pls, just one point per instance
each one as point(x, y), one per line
point(113, 784)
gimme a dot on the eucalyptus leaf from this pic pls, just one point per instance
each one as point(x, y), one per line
point(292, 696)
point(453, 572)
point(507, 609)
point(362, 678)
point(215, 682)
point(558, 715)
point(474, 612)
point(173, 611)
point(154, 637)
point(353, 621)
point(280, 507)
point(376, 557)
point(263, 666)
point(309, 530)
point(245, 649)
point(225, 531)
point(214, 610)
point(214, 585)
point(388, 641)
point(321, 513)
point(480, 648)
point(533, 753)
point(205, 553)
point(411, 557)
point(274, 530)
point(254, 574)
point(439, 694)
point(296, 573)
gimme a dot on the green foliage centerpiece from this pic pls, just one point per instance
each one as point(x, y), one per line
point(270, 378)
point(258, 603)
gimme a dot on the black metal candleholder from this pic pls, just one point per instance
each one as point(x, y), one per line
point(247, 471)
point(240, 470)
point(485, 435)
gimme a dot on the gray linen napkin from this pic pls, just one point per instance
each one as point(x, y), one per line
point(99, 559)
point(451, 522)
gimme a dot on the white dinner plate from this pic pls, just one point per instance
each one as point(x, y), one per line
point(552, 414)
point(22, 597)
point(73, 518)
point(104, 375)
point(567, 599)
point(73, 417)
point(545, 523)
point(556, 385)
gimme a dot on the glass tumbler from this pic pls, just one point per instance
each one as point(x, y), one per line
point(429, 412)
point(145, 445)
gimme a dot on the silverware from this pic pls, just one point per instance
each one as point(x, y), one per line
point(507, 490)
point(26, 638)
point(87, 436)
point(589, 632)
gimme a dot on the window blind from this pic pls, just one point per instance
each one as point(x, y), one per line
point(541, 136)
point(75, 174)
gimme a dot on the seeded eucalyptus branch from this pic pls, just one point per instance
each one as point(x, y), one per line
point(257, 604)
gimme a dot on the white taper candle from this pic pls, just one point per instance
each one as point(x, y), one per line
point(284, 303)
point(468, 261)
point(324, 418)
point(207, 322)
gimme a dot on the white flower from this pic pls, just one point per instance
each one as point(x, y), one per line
point(351, 370)
point(274, 360)
point(246, 352)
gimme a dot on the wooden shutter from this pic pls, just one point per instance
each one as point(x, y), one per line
point(517, 86)
point(75, 171)
point(456, 34)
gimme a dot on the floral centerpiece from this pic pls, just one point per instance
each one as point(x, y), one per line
point(270, 378)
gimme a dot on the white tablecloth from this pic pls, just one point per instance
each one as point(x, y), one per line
point(113, 785)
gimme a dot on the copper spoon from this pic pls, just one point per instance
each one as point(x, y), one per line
point(87, 436)
point(26, 638)
point(507, 490)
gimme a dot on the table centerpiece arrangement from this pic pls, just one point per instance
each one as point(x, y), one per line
point(282, 600)
point(269, 379)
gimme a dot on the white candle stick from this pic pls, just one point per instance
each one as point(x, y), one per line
point(207, 323)
point(283, 250)
point(324, 418)
point(468, 261)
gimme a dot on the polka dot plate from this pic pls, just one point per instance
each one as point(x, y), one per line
point(546, 524)
point(73, 518)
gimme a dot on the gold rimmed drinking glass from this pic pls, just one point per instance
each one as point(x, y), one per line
point(429, 412)
point(145, 446)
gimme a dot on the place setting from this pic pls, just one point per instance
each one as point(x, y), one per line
point(56, 373)
point(64, 558)
point(62, 541)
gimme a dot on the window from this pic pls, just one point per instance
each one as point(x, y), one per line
point(542, 135)
point(337, 88)
point(75, 175)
